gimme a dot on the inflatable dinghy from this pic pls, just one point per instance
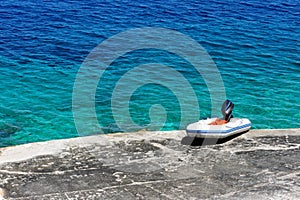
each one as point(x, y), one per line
point(219, 128)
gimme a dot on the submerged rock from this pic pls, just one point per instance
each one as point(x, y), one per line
point(8, 129)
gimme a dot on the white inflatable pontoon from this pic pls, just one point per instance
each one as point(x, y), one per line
point(203, 129)
point(219, 128)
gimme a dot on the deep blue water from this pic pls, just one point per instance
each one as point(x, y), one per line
point(255, 45)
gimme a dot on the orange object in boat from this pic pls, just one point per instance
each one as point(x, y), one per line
point(218, 122)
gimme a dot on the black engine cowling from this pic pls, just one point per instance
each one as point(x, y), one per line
point(227, 108)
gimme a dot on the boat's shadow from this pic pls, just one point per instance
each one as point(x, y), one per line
point(193, 141)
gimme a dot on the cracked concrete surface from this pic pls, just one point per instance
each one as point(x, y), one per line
point(261, 164)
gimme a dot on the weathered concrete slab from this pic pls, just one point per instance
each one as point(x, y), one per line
point(261, 164)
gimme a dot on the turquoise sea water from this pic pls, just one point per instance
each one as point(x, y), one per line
point(255, 45)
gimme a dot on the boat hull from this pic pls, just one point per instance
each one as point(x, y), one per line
point(202, 128)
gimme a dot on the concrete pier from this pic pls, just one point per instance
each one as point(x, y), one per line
point(260, 164)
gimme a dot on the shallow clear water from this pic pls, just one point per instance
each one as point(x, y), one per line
point(255, 44)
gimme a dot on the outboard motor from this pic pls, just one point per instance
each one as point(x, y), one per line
point(227, 108)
